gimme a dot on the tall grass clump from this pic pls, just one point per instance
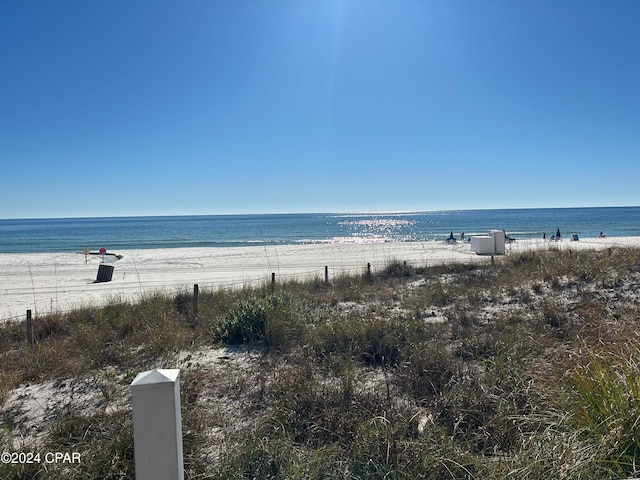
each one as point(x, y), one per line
point(604, 401)
point(106, 440)
point(395, 269)
point(371, 342)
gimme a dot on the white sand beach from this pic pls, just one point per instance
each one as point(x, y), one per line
point(46, 283)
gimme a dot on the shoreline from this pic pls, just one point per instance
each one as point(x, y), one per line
point(60, 282)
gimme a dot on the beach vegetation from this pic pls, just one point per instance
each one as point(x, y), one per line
point(523, 368)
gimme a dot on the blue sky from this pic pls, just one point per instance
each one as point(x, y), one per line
point(159, 107)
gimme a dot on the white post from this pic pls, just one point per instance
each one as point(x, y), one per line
point(157, 425)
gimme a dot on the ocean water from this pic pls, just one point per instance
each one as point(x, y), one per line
point(119, 233)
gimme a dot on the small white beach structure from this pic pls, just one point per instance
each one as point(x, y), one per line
point(157, 425)
point(492, 244)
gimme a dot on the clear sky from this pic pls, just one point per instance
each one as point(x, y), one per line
point(156, 107)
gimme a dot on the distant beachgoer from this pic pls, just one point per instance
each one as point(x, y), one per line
point(602, 235)
point(462, 236)
point(544, 236)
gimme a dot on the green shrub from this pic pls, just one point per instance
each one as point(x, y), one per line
point(275, 321)
point(245, 323)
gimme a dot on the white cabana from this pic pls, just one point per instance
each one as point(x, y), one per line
point(492, 244)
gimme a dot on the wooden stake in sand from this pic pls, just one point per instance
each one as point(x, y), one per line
point(196, 294)
point(30, 340)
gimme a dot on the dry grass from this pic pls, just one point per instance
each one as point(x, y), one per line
point(524, 369)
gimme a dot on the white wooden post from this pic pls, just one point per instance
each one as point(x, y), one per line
point(157, 425)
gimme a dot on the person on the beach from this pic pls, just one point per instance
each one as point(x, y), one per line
point(602, 235)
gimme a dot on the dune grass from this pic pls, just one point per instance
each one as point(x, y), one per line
point(527, 368)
